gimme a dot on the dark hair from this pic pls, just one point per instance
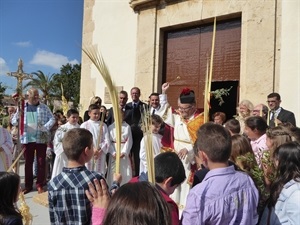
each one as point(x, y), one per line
point(154, 94)
point(274, 95)
point(258, 123)
point(93, 106)
point(75, 141)
point(168, 164)
point(124, 93)
point(233, 126)
point(9, 190)
point(156, 119)
point(288, 156)
point(72, 111)
point(215, 141)
point(265, 110)
point(59, 111)
point(137, 204)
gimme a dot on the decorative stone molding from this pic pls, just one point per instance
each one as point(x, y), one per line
point(137, 5)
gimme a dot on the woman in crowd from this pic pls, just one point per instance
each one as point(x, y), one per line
point(284, 204)
point(9, 194)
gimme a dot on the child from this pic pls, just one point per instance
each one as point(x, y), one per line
point(67, 201)
point(126, 144)
point(133, 203)
point(100, 139)
point(61, 159)
point(169, 174)
point(9, 194)
point(255, 129)
point(156, 142)
point(233, 126)
point(225, 196)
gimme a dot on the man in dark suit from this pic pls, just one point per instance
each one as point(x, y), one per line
point(133, 118)
point(278, 114)
point(123, 98)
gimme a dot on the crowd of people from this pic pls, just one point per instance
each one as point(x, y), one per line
point(244, 170)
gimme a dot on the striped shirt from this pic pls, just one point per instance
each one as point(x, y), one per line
point(68, 203)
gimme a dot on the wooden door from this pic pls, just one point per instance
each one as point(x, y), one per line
point(187, 51)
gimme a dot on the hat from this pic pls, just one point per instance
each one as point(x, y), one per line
point(187, 96)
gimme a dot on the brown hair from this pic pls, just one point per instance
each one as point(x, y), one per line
point(75, 141)
point(221, 115)
point(137, 204)
point(215, 141)
point(233, 126)
point(279, 136)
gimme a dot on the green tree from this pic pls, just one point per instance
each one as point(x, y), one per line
point(2, 91)
point(69, 78)
point(44, 83)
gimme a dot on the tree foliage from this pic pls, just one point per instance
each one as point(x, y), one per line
point(44, 83)
point(69, 78)
point(2, 90)
point(50, 86)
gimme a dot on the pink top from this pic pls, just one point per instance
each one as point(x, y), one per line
point(258, 147)
point(98, 215)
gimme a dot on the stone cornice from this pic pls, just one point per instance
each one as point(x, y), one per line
point(137, 5)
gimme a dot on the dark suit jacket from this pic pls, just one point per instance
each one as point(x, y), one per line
point(110, 118)
point(284, 116)
point(133, 115)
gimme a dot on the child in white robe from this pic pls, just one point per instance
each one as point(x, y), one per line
point(101, 140)
point(126, 144)
point(60, 157)
point(156, 142)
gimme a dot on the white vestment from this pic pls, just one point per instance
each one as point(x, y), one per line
point(125, 163)
point(61, 159)
point(100, 140)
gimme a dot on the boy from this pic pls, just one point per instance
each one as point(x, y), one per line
point(61, 159)
point(66, 192)
point(156, 142)
point(100, 139)
point(169, 174)
point(225, 196)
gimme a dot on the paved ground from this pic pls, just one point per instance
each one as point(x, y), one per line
point(39, 212)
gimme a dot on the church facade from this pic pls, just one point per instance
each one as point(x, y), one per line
point(147, 42)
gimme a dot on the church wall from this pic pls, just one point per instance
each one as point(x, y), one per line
point(132, 43)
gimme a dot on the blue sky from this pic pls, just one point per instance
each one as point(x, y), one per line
point(46, 34)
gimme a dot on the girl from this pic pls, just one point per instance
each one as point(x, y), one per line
point(284, 204)
point(9, 194)
point(255, 129)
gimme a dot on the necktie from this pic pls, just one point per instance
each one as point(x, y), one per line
point(153, 111)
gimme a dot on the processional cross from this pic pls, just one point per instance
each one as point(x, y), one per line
point(20, 75)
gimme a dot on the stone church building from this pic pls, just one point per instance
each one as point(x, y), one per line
point(148, 42)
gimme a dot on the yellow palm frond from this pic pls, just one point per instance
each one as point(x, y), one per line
point(99, 63)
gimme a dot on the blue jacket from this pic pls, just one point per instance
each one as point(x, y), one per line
point(287, 208)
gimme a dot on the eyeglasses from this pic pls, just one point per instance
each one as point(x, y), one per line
point(185, 109)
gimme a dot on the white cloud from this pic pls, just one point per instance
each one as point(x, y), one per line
point(23, 44)
point(45, 58)
point(3, 67)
